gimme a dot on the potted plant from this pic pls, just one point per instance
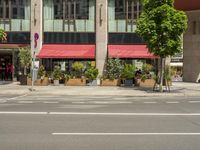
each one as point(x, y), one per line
point(128, 73)
point(77, 75)
point(147, 78)
point(56, 75)
point(112, 73)
point(25, 61)
point(91, 74)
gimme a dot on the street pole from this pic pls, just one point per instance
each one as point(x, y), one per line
point(33, 66)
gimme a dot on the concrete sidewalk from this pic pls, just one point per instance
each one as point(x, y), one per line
point(178, 89)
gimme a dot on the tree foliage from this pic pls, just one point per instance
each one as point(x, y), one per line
point(3, 35)
point(25, 58)
point(161, 26)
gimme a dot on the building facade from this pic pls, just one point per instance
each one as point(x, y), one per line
point(191, 40)
point(64, 31)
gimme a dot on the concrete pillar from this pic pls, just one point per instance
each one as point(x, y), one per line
point(191, 48)
point(101, 34)
point(36, 24)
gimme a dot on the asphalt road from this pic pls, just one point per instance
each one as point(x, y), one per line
point(97, 123)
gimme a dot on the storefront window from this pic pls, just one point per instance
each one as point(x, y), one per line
point(15, 15)
point(123, 15)
point(69, 15)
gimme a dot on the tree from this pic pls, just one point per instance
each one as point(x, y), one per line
point(3, 35)
point(25, 58)
point(162, 26)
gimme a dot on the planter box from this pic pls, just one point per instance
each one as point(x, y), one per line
point(92, 83)
point(128, 82)
point(107, 82)
point(23, 79)
point(75, 82)
point(38, 82)
point(148, 83)
point(56, 82)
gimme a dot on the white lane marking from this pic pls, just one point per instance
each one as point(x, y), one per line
point(193, 101)
point(125, 102)
point(101, 102)
point(50, 102)
point(25, 102)
point(111, 102)
point(13, 98)
point(124, 114)
point(25, 113)
point(127, 134)
point(78, 102)
point(150, 102)
point(175, 102)
point(103, 114)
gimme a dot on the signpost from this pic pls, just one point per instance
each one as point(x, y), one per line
point(34, 68)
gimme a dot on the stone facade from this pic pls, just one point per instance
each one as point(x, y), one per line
point(191, 57)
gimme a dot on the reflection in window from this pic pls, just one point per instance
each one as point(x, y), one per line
point(15, 15)
point(71, 9)
point(127, 9)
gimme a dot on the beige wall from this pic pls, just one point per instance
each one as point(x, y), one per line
point(36, 23)
point(191, 53)
point(101, 34)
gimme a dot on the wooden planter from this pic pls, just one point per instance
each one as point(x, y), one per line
point(38, 82)
point(108, 82)
point(75, 82)
point(148, 83)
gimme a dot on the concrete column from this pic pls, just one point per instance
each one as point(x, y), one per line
point(101, 34)
point(191, 48)
point(36, 24)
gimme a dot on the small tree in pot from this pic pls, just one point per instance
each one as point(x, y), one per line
point(25, 61)
point(112, 72)
point(76, 75)
point(91, 74)
point(128, 74)
point(77, 69)
point(56, 75)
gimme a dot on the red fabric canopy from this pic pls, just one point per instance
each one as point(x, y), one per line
point(129, 51)
point(67, 51)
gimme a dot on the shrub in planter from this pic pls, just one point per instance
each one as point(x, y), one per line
point(70, 81)
point(25, 62)
point(56, 75)
point(146, 68)
point(91, 74)
point(112, 73)
point(147, 76)
point(77, 69)
point(128, 74)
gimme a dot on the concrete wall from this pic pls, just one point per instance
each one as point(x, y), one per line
point(191, 54)
point(101, 34)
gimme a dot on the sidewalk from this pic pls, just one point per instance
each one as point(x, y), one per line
point(178, 89)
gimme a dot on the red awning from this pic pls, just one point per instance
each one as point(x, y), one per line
point(67, 51)
point(129, 51)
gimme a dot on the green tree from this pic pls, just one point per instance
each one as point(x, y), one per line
point(25, 58)
point(162, 26)
point(3, 35)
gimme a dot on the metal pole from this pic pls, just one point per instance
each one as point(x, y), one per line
point(33, 63)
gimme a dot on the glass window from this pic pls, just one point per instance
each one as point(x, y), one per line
point(69, 15)
point(127, 9)
point(73, 9)
point(15, 15)
point(18, 7)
